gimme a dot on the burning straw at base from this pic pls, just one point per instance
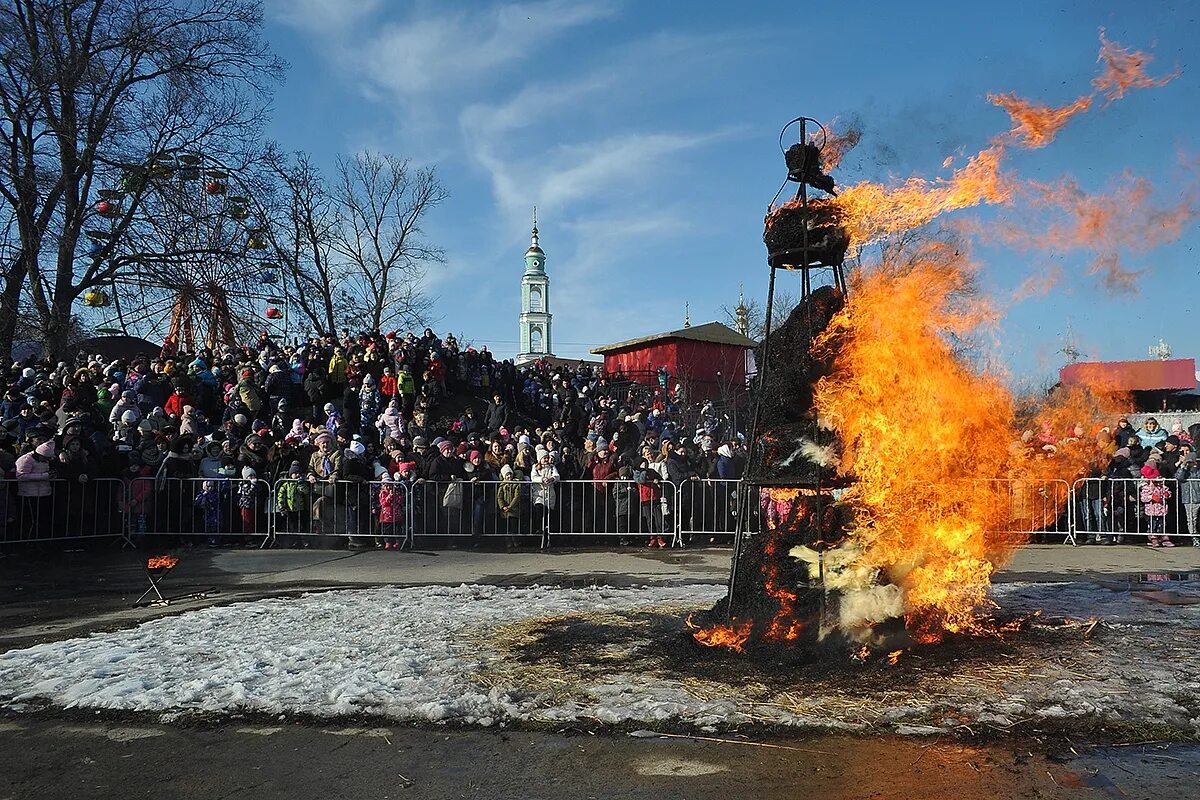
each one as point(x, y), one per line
point(896, 476)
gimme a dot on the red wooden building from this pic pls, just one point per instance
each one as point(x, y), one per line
point(1154, 385)
point(709, 360)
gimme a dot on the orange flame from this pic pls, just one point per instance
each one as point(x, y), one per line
point(874, 211)
point(1124, 70)
point(161, 562)
point(925, 437)
point(1036, 124)
point(733, 636)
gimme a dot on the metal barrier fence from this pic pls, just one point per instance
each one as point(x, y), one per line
point(520, 510)
point(393, 514)
point(364, 513)
point(1115, 509)
point(216, 511)
point(1033, 506)
point(60, 509)
point(710, 507)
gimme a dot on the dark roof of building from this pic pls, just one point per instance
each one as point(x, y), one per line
point(714, 332)
point(1133, 376)
point(119, 346)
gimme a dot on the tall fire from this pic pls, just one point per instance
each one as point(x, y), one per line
point(892, 475)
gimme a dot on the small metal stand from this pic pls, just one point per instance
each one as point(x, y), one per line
point(157, 569)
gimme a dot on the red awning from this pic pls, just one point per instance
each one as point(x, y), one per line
point(1133, 376)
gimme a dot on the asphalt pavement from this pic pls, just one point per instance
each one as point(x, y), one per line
point(48, 759)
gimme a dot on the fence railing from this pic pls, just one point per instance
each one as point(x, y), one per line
point(60, 509)
point(1115, 510)
point(304, 512)
point(551, 513)
point(711, 506)
point(215, 511)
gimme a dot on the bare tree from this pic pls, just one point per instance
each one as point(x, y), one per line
point(756, 313)
point(304, 221)
point(352, 255)
point(90, 92)
point(382, 202)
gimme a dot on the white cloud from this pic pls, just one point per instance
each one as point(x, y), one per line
point(440, 53)
point(322, 17)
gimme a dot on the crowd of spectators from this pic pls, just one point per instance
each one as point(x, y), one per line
point(334, 435)
point(1146, 481)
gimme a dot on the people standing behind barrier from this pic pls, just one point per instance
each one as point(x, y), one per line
point(1165, 457)
point(543, 477)
point(603, 470)
point(33, 473)
point(649, 499)
point(291, 507)
point(480, 480)
point(391, 511)
point(1155, 496)
point(324, 470)
point(1188, 480)
point(356, 476)
point(250, 501)
point(218, 410)
point(212, 512)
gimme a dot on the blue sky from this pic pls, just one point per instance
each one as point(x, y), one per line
point(646, 135)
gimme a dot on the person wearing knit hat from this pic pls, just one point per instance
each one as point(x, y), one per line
point(33, 483)
point(508, 501)
point(1155, 495)
point(391, 512)
point(249, 500)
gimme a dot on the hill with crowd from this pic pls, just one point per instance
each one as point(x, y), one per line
point(221, 437)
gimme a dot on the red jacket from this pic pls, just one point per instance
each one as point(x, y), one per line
point(387, 385)
point(175, 403)
point(391, 503)
point(603, 470)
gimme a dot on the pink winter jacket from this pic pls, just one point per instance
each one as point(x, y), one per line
point(33, 477)
point(1154, 496)
point(391, 503)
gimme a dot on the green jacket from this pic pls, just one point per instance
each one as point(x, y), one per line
point(405, 384)
point(508, 498)
point(292, 495)
point(249, 395)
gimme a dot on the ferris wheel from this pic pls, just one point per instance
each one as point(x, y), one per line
point(197, 275)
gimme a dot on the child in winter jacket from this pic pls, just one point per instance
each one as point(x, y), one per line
point(291, 505)
point(508, 500)
point(391, 511)
point(649, 497)
point(248, 500)
point(208, 500)
point(139, 490)
point(1154, 495)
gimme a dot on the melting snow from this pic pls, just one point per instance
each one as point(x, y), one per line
point(423, 654)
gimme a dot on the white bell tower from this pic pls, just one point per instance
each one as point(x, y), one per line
point(535, 303)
